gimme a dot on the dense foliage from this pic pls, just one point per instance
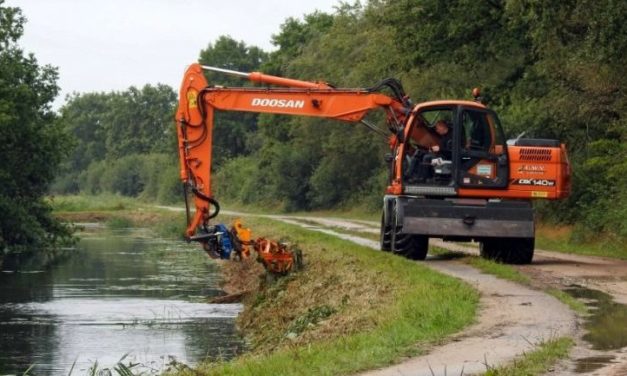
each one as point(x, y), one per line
point(552, 69)
point(32, 143)
point(125, 143)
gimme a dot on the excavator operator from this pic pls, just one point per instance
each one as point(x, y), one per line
point(444, 147)
point(420, 168)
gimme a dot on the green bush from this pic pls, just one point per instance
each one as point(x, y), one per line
point(91, 180)
point(151, 177)
point(169, 185)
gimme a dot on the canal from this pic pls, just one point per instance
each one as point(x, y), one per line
point(119, 294)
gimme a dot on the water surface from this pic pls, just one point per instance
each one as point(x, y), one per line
point(118, 293)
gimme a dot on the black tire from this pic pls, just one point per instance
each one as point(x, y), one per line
point(385, 238)
point(491, 249)
point(414, 247)
point(518, 251)
point(521, 251)
point(411, 246)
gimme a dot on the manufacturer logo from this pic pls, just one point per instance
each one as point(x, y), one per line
point(532, 169)
point(278, 103)
point(535, 182)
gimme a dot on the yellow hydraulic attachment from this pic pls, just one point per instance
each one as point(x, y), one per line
point(236, 243)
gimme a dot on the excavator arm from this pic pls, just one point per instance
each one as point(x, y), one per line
point(198, 102)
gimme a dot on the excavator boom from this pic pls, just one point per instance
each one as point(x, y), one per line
point(198, 102)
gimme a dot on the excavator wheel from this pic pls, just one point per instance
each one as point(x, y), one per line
point(518, 251)
point(414, 247)
point(385, 238)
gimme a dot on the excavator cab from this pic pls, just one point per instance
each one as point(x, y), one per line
point(455, 145)
point(482, 159)
point(429, 155)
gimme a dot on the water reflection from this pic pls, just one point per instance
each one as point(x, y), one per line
point(117, 294)
point(607, 324)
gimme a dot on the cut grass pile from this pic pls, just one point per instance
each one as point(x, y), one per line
point(350, 309)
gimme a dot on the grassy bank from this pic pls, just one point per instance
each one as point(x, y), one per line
point(350, 309)
point(560, 238)
point(118, 212)
point(86, 203)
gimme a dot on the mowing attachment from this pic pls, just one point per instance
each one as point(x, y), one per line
point(236, 243)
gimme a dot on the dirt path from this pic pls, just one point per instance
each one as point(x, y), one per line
point(513, 319)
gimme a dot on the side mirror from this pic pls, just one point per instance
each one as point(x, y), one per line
point(388, 157)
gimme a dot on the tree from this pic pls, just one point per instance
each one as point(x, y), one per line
point(140, 121)
point(231, 130)
point(33, 144)
point(122, 140)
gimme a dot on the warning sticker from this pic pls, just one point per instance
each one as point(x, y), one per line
point(191, 98)
point(539, 194)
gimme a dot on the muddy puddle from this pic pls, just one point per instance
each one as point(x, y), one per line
point(606, 326)
point(120, 293)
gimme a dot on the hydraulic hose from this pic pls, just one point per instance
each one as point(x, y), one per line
point(210, 200)
point(396, 87)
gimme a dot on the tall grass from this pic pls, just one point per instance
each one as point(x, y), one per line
point(88, 203)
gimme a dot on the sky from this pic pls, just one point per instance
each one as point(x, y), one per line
point(104, 45)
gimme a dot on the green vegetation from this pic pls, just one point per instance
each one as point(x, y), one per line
point(502, 271)
point(537, 362)
point(89, 203)
point(510, 273)
point(350, 309)
point(119, 223)
point(574, 304)
point(125, 144)
point(32, 144)
point(119, 212)
point(565, 239)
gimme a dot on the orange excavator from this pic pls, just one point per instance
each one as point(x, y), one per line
point(452, 174)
